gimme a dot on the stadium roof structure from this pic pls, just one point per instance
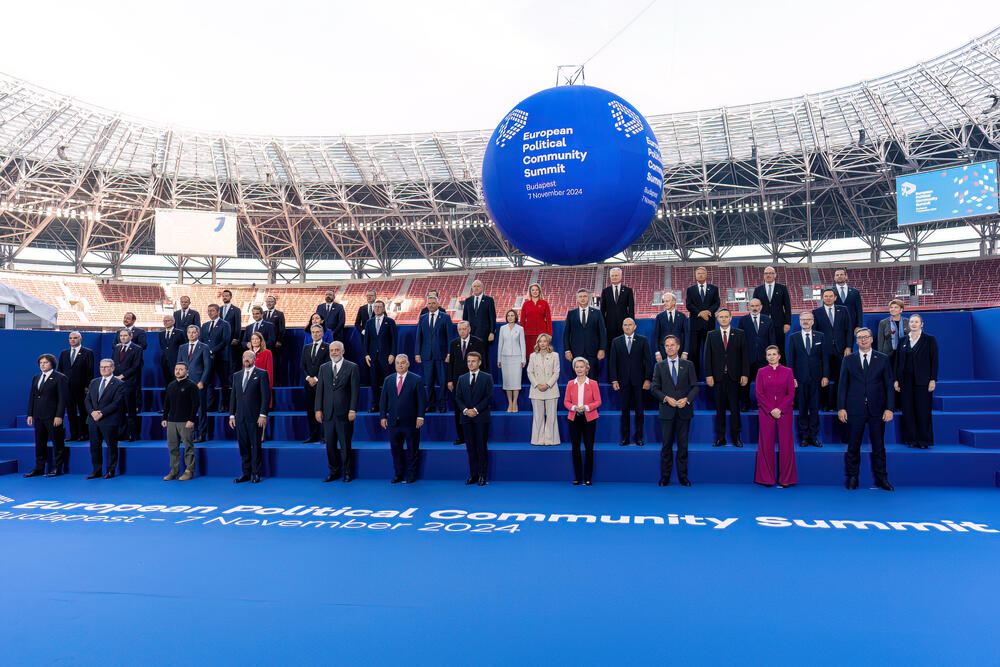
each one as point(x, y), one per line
point(786, 175)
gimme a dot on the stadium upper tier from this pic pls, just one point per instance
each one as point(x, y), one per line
point(784, 175)
point(85, 303)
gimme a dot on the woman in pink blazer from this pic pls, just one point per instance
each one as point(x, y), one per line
point(775, 388)
point(582, 400)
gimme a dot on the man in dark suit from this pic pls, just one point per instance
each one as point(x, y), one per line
point(104, 405)
point(809, 359)
point(138, 335)
point(77, 364)
point(261, 326)
point(401, 408)
point(617, 303)
point(217, 335)
point(431, 293)
point(834, 323)
point(231, 314)
point(336, 406)
point(630, 369)
point(865, 399)
point(759, 330)
point(675, 386)
point(776, 303)
point(333, 315)
point(433, 333)
point(365, 311)
point(584, 334)
point(171, 339)
point(474, 399)
point(186, 315)
point(727, 369)
point(380, 349)
point(250, 396)
point(849, 298)
point(47, 401)
point(277, 319)
point(198, 358)
point(128, 369)
point(702, 301)
point(458, 351)
point(480, 312)
point(314, 355)
point(671, 322)
point(181, 403)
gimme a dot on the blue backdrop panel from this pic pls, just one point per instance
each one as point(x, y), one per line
point(985, 330)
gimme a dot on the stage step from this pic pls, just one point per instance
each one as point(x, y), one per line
point(967, 388)
point(971, 403)
point(981, 438)
point(8, 467)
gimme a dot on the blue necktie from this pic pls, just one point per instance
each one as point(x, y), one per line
point(673, 370)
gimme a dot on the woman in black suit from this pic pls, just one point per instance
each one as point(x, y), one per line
point(916, 377)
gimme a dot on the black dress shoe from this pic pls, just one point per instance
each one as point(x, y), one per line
point(109, 474)
point(93, 475)
point(200, 438)
point(738, 443)
point(395, 480)
point(623, 443)
point(577, 482)
point(255, 479)
point(310, 441)
point(685, 482)
point(34, 473)
point(784, 486)
point(348, 477)
point(482, 481)
point(410, 480)
point(719, 443)
point(241, 479)
point(851, 483)
point(53, 473)
point(459, 442)
point(471, 480)
point(884, 485)
point(640, 443)
point(804, 443)
point(663, 482)
point(331, 477)
point(813, 442)
point(588, 483)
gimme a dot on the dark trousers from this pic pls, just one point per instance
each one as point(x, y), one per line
point(856, 424)
point(377, 373)
point(315, 427)
point(202, 423)
point(476, 437)
point(129, 428)
point(459, 427)
point(727, 397)
point(779, 340)
point(674, 430)
point(582, 430)
point(108, 434)
point(77, 417)
point(219, 376)
point(828, 394)
point(168, 372)
point(696, 347)
point(915, 404)
point(631, 402)
point(745, 391)
point(45, 430)
point(435, 380)
point(405, 466)
point(249, 437)
point(339, 431)
point(807, 396)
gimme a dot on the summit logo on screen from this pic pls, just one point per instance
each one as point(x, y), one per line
point(906, 188)
point(625, 119)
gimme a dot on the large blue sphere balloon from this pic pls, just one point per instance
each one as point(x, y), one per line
point(572, 175)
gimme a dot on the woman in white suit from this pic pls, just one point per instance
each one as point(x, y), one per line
point(512, 357)
point(543, 374)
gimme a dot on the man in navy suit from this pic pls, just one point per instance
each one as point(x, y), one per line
point(333, 315)
point(198, 358)
point(433, 334)
point(401, 408)
point(336, 405)
point(584, 334)
point(702, 301)
point(365, 311)
point(675, 386)
point(458, 351)
point(850, 298)
point(104, 414)
point(671, 322)
point(277, 318)
point(47, 400)
point(314, 354)
point(834, 323)
point(866, 399)
point(474, 398)
point(630, 369)
point(617, 303)
point(128, 369)
point(250, 396)
point(77, 364)
point(261, 326)
point(380, 349)
point(480, 312)
point(218, 336)
point(759, 330)
point(231, 314)
point(138, 335)
point(170, 339)
point(186, 315)
point(776, 303)
point(809, 359)
point(727, 369)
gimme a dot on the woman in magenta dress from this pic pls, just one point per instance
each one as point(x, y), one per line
point(775, 388)
point(536, 317)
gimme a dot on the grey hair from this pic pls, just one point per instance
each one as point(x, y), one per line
point(584, 360)
point(403, 356)
point(109, 361)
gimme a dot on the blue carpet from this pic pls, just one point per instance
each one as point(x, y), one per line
point(138, 591)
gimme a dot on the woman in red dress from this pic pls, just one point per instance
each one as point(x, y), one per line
point(536, 318)
point(263, 360)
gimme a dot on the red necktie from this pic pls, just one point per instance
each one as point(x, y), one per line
point(725, 340)
point(399, 384)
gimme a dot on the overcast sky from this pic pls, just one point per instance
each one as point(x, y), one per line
point(302, 68)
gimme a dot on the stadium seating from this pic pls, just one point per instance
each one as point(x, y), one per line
point(449, 287)
point(559, 286)
point(646, 281)
point(963, 284)
point(506, 287)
